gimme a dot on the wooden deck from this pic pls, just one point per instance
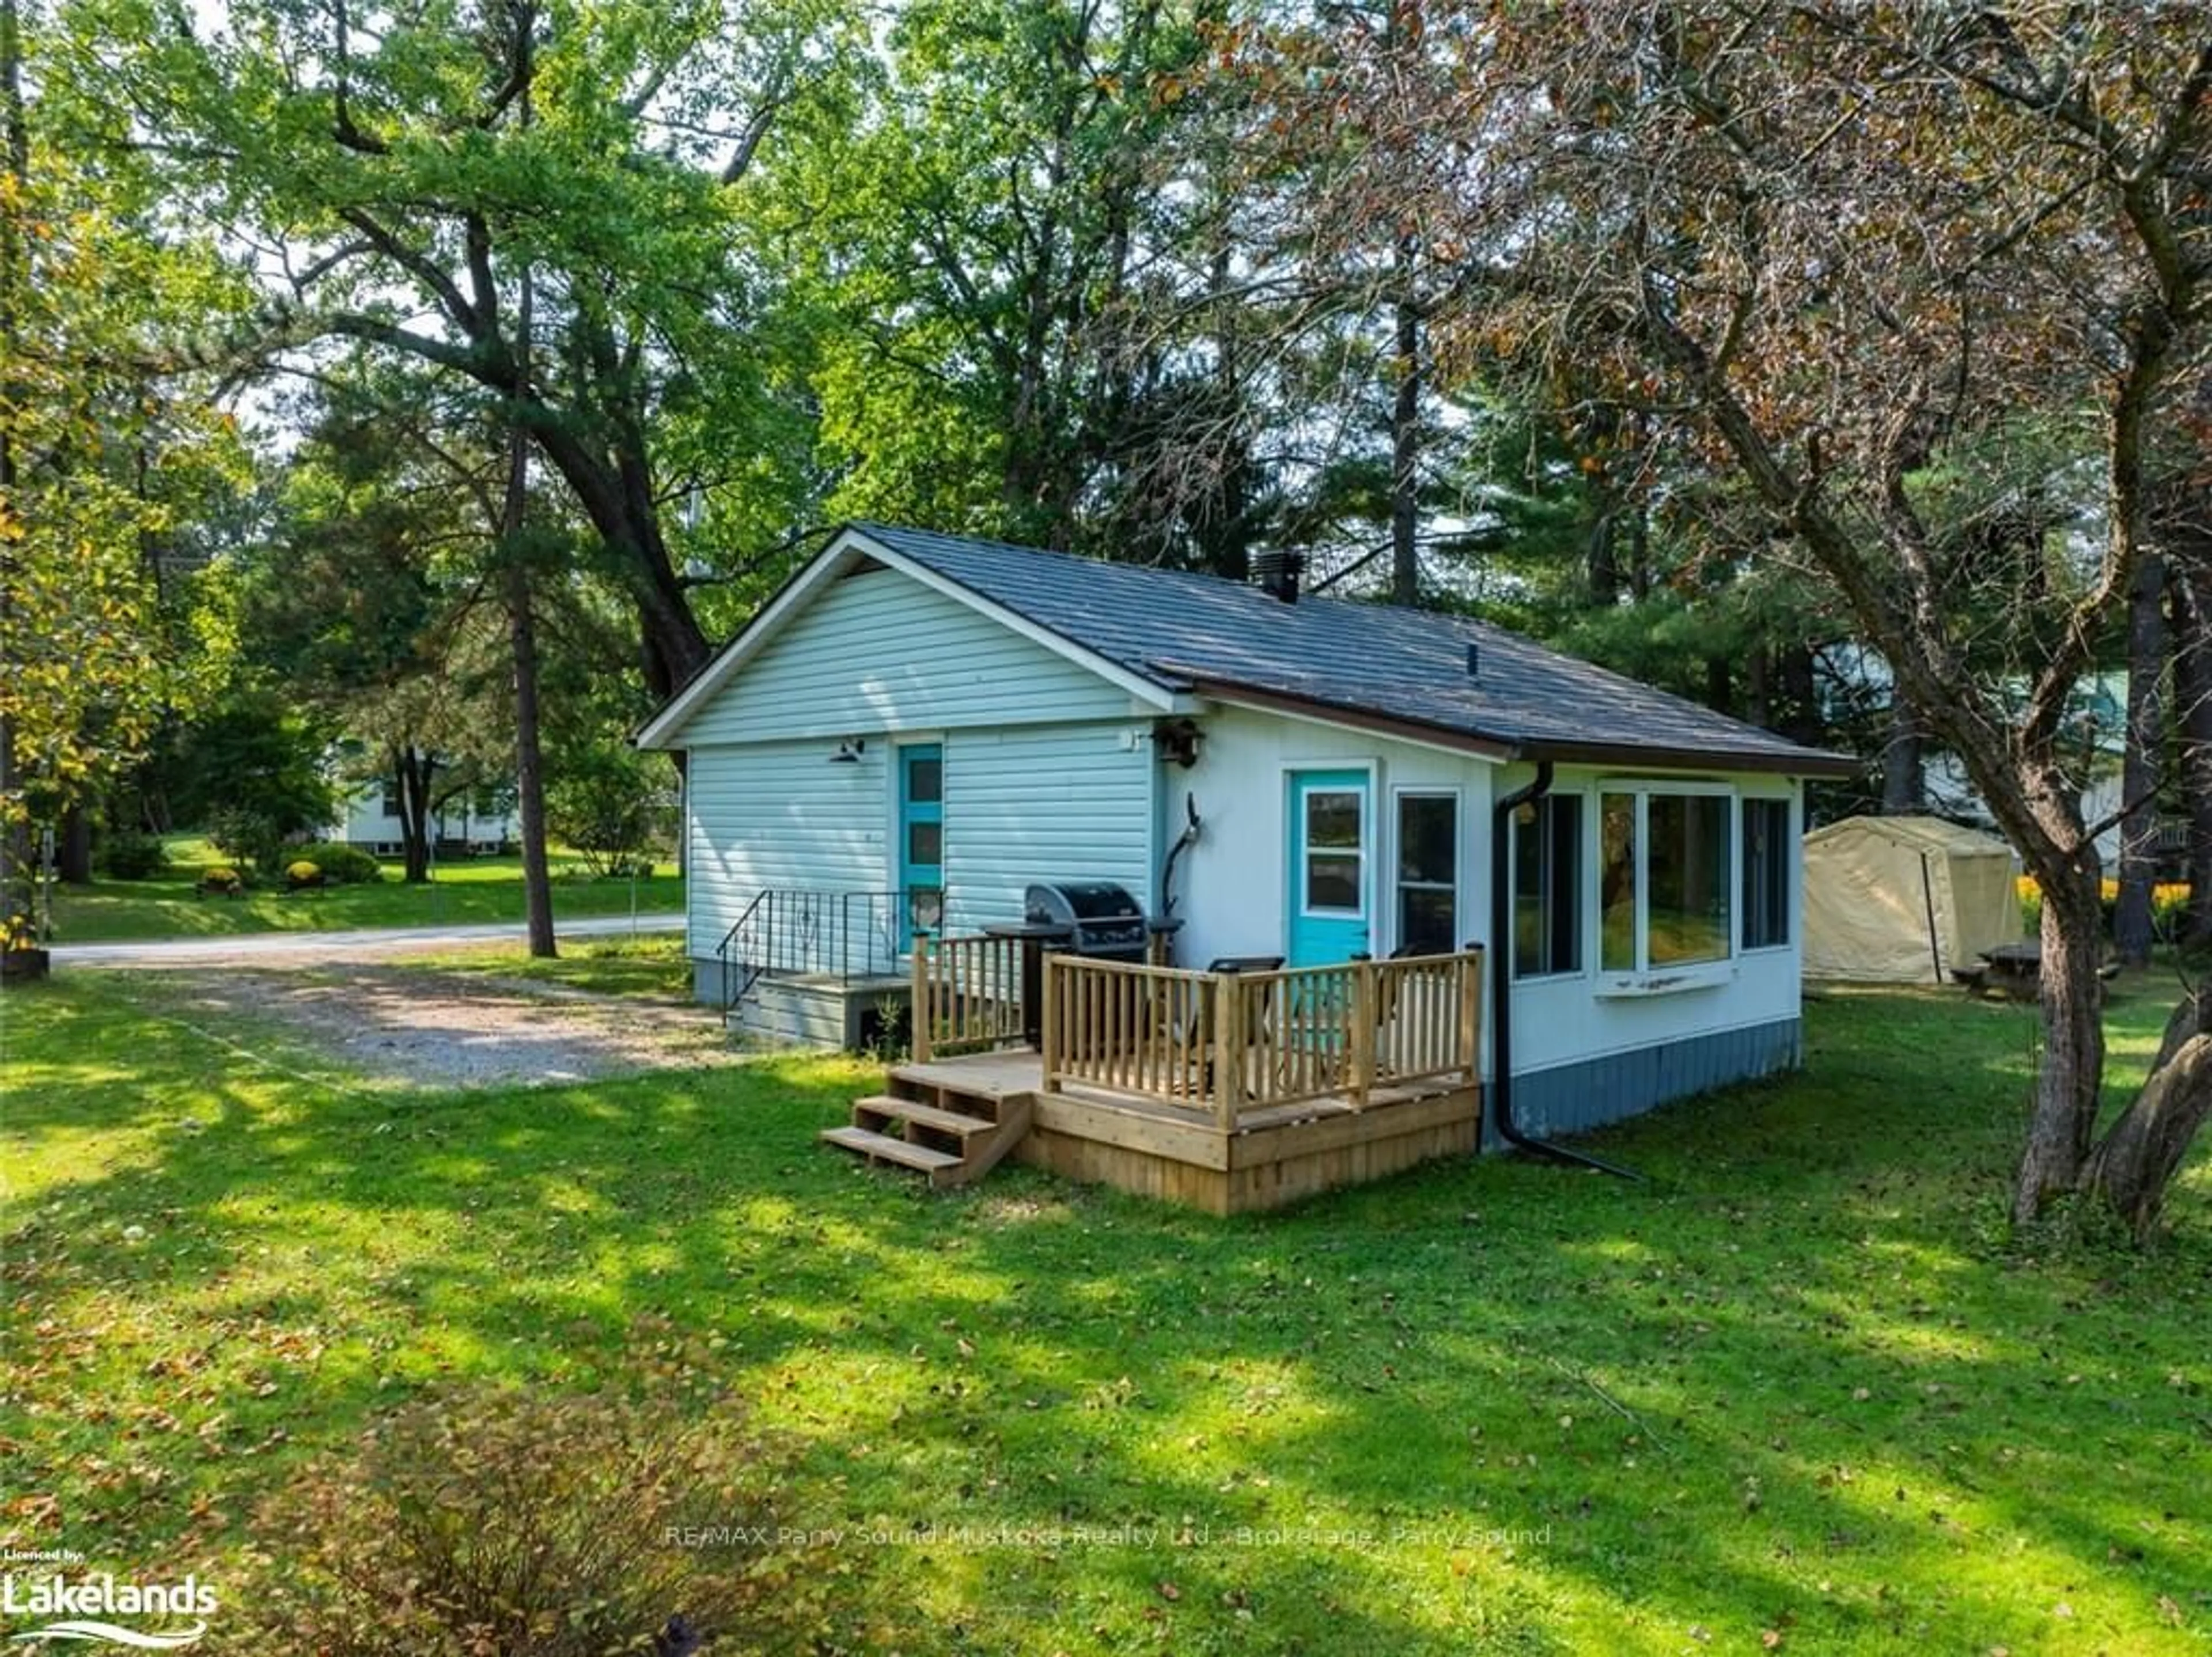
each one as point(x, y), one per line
point(1227, 1093)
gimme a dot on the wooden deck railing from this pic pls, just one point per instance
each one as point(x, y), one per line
point(1227, 1043)
point(966, 995)
point(1128, 1028)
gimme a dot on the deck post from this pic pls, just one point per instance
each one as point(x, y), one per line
point(918, 1012)
point(1230, 1039)
point(1365, 1016)
point(1470, 1011)
point(1048, 1037)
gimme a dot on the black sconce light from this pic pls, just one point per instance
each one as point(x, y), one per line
point(849, 750)
point(1177, 739)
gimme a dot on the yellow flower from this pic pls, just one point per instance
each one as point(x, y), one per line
point(2165, 894)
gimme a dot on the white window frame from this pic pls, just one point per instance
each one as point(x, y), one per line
point(1429, 791)
point(1359, 857)
point(1642, 977)
point(1585, 892)
point(1793, 894)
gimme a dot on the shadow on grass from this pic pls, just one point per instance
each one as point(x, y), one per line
point(1799, 1384)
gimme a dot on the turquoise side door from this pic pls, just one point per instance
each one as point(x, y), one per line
point(1332, 830)
point(922, 839)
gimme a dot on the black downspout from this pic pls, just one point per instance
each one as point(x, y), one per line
point(1501, 984)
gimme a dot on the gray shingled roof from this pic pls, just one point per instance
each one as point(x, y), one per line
point(1374, 662)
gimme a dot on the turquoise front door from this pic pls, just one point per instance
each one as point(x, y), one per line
point(1331, 833)
point(922, 839)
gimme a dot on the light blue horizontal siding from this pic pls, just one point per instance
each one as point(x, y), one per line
point(878, 651)
point(1070, 802)
point(1570, 1099)
point(779, 814)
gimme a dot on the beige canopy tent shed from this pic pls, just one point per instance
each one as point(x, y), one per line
point(1904, 899)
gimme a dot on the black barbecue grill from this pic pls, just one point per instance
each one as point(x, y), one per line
point(1098, 918)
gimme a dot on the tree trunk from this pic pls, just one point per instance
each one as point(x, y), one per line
point(2191, 632)
point(1601, 567)
point(2138, 1159)
point(414, 771)
point(1640, 552)
point(2139, 773)
point(522, 635)
point(529, 767)
point(1226, 528)
point(1405, 436)
point(1903, 788)
point(1799, 694)
point(2066, 1083)
point(14, 833)
point(73, 847)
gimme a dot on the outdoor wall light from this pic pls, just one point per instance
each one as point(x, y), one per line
point(849, 750)
point(1176, 740)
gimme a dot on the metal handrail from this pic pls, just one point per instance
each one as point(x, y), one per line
point(732, 997)
point(785, 929)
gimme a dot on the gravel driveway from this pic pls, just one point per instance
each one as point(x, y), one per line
point(446, 1030)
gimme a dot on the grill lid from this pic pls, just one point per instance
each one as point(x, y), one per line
point(1080, 901)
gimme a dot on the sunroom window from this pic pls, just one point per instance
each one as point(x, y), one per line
point(1769, 849)
point(1666, 862)
point(1547, 886)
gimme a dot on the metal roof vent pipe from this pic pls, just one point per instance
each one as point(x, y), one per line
point(1276, 571)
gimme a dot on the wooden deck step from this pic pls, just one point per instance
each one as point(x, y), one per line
point(884, 1148)
point(885, 1107)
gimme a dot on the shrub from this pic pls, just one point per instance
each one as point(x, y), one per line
point(532, 1525)
point(610, 804)
point(257, 784)
point(345, 865)
point(2169, 906)
point(254, 839)
point(302, 876)
point(221, 879)
point(128, 854)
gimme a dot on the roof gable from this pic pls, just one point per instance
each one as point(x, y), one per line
point(851, 551)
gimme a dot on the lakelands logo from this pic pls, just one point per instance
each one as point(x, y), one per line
point(81, 1607)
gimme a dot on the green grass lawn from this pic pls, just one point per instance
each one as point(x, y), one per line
point(1798, 1392)
point(654, 965)
point(478, 889)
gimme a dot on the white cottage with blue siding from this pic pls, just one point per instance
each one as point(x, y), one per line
point(919, 727)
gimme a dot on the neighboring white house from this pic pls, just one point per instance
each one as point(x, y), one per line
point(2096, 735)
point(371, 820)
point(951, 720)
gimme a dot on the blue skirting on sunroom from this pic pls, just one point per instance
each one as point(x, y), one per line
point(1571, 1098)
